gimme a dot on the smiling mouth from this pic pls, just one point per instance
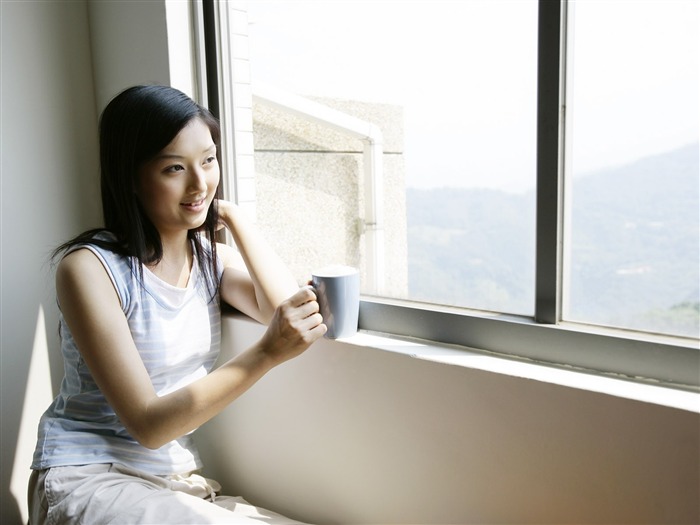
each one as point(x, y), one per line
point(193, 204)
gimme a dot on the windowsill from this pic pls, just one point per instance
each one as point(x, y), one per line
point(671, 364)
point(570, 377)
point(481, 360)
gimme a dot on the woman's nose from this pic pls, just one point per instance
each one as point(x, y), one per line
point(198, 179)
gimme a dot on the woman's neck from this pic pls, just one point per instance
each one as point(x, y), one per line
point(176, 264)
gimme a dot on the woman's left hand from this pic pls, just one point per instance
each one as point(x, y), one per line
point(224, 211)
point(266, 281)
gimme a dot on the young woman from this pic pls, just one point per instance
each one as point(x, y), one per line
point(140, 319)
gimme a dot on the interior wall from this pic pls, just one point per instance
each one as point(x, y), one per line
point(129, 44)
point(49, 193)
point(61, 63)
point(350, 434)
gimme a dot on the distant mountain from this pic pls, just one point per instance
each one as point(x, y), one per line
point(471, 248)
point(634, 238)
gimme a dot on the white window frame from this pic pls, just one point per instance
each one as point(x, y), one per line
point(544, 338)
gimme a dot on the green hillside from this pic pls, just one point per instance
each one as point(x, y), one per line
point(635, 246)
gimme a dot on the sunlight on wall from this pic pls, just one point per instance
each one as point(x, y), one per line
point(37, 396)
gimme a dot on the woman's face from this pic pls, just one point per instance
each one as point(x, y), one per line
point(177, 186)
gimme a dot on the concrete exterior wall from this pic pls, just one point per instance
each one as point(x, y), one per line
point(310, 189)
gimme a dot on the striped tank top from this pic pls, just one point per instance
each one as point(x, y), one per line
point(177, 333)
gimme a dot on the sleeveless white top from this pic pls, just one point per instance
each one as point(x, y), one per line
point(177, 332)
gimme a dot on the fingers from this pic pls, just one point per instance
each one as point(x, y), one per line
point(301, 311)
point(224, 212)
point(296, 325)
point(317, 332)
point(304, 295)
point(303, 306)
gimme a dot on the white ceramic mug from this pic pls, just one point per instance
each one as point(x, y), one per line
point(338, 291)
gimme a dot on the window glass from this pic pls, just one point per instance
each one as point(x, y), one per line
point(452, 88)
point(632, 253)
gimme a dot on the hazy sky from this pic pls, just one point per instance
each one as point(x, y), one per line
point(465, 72)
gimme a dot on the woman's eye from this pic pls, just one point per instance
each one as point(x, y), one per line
point(174, 168)
point(209, 160)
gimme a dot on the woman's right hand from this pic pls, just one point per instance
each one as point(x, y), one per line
point(295, 325)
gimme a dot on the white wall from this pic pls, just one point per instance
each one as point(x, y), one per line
point(49, 193)
point(351, 434)
point(129, 45)
point(50, 181)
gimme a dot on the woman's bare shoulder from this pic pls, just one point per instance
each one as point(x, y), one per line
point(77, 261)
point(82, 272)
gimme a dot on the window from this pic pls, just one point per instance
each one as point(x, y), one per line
point(504, 269)
point(633, 166)
point(458, 129)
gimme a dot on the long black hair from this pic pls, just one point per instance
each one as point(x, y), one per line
point(134, 127)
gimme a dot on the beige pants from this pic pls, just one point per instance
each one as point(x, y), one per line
point(104, 494)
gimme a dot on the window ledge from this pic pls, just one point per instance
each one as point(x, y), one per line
point(636, 389)
point(670, 363)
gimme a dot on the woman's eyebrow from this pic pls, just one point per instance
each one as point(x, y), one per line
point(162, 156)
point(166, 155)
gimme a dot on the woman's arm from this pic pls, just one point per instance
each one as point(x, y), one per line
point(265, 281)
point(90, 306)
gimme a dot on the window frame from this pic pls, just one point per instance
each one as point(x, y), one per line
point(543, 338)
